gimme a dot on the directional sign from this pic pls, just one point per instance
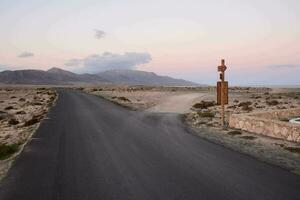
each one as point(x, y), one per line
point(222, 91)
point(222, 85)
point(222, 68)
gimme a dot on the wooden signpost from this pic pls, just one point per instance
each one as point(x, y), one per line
point(222, 90)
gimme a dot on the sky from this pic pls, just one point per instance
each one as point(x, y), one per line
point(259, 39)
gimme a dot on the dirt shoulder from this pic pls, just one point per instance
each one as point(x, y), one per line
point(273, 151)
point(21, 111)
point(152, 99)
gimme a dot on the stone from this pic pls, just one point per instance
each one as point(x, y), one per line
point(241, 124)
point(268, 123)
point(284, 132)
point(276, 129)
point(295, 134)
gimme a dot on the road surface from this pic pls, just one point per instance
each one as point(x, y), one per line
point(90, 148)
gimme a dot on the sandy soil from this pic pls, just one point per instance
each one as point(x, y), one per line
point(181, 103)
point(21, 110)
point(17, 107)
point(143, 98)
point(182, 99)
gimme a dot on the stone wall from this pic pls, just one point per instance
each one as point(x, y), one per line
point(268, 123)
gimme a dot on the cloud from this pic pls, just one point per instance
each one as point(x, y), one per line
point(73, 62)
point(99, 34)
point(107, 61)
point(283, 66)
point(25, 55)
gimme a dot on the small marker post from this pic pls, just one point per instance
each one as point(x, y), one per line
point(222, 91)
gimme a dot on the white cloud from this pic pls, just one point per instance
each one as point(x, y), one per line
point(25, 55)
point(99, 34)
point(107, 61)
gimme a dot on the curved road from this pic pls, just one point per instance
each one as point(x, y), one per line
point(90, 148)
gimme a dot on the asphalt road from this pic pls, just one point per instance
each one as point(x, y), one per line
point(90, 148)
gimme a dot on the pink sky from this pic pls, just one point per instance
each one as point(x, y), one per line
point(184, 39)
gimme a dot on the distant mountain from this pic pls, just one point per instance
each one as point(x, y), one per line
point(57, 76)
point(135, 77)
point(53, 76)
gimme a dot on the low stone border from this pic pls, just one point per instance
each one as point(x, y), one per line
point(269, 124)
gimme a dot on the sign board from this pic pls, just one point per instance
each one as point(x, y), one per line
point(225, 92)
point(222, 68)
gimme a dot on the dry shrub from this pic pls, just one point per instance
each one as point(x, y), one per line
point(3, 115)
point(13, 121)
point(248, 137)
point(9, 108)
point(272, 103)
point(246, 103)
point(204, 104)
point(32, 121)
point(21, 112)
point(247, 108)
point(36, 103)
point(233, 133)
point(206, 114)
point(124, 99)
point(293, 149)
point(22, 99)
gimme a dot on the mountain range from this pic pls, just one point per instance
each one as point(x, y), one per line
point(57, 76)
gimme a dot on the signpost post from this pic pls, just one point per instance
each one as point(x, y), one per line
point(222, 90)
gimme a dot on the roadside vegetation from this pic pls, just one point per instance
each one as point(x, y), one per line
point(7, 150)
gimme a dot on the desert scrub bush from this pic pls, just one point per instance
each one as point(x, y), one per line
point(52, 98)
point(204, 104)
point(13, 121)
point(255, 96)
point(124, 99)
point(272, 103)
point(21, 112)
point(22, 99)
point(3, 115)
point(206, 114)
point(36, 103)
point(9, 108)
point(7, 150)
point(32, 121)
point(247, 108)
point(245, 103)
point(231, 107)
point(293, 149)
point(233, 133)
point(248, 137)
